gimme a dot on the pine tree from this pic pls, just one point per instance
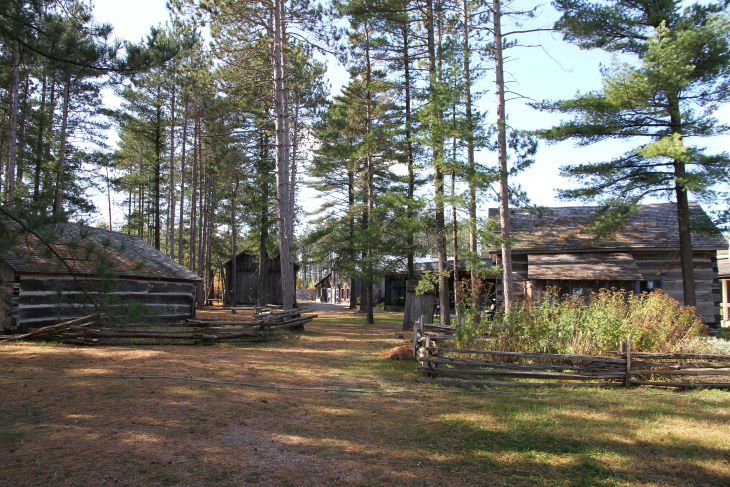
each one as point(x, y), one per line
point(663, 101)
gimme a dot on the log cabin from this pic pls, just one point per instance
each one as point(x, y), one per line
point(76, 270)
point(554, 247)
point(250, 284)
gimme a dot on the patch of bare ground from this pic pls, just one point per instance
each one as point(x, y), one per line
point(326, 408)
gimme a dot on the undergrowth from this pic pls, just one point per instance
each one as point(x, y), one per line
point(655, 321)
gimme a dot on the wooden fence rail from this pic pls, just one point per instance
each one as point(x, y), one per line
point(92, 330)
point(450, 365)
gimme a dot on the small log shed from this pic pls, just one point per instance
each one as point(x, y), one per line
point(249, 282)
point(119, 271)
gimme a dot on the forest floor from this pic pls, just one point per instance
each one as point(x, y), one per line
point(325, 408)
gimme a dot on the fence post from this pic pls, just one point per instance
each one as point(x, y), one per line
point(627, 351)
point(430, 365)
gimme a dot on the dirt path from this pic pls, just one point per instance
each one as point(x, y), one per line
point(324, 408)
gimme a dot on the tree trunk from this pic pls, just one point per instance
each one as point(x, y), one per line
point(58, 199)
point(234, 252)
point(180, 228)
point(263, 277)
point(171, 204)
point(39, 141)
point(351, 229)
point(201, 193)
point(471, 164)
point(410, 240)
point(12, 129)
point(294, 164)
point(438, 156)
point(504, 217)
point(455, 230)
point(683, 217)
point(20, 157)
point(194, 191)
point(370, 172)
point(281, 110)
point(158, 166)
point(109, 196)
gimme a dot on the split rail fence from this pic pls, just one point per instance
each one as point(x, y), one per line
point(445, 364)
point(94, 330)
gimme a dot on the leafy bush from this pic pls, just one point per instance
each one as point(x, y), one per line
point(655, 321)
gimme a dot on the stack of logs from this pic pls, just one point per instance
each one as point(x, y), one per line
point(91, 330)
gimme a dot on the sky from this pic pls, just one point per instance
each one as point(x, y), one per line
point(554, 70)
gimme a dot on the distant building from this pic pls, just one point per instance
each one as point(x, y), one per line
point(122, 272)
point(723, 268)
point(553, 247)
point(249, 283)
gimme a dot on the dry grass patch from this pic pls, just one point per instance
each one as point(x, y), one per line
point(263, 417)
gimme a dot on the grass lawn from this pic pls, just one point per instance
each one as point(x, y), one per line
point(325, 408)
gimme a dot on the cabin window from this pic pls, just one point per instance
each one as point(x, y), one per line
point(650, 286)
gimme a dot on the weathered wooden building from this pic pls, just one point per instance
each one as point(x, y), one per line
point(85, 265)
point(335, 288)
point(250, 282)
point(555, 247)
point(723, 270)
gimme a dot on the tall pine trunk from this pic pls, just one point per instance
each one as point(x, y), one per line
point(158, 167)
point(410, 240)
point(263, 270)
point(39, 141)
point(370, 173)
point(281, 111)
point(12, 129)
point(194, 191)
point(471, 163)
point(233, 278)
point(683, 217)
point(351, 230)
point(181, 221)
point(60, 171)
point(504, 217)
point(437, 143)
point(171, 204)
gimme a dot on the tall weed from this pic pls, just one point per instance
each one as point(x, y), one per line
point(655, 321)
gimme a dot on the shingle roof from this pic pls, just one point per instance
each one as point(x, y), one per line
point(654, 226)
point(87, 250)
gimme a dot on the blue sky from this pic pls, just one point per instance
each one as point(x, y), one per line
point(553, 71)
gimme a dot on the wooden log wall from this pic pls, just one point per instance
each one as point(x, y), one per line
point(8, 291)
point(42, 300)
point(654, 265)
point(450, 365)
point(666, 266)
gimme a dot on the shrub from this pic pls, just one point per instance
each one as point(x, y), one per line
point(655, 321)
